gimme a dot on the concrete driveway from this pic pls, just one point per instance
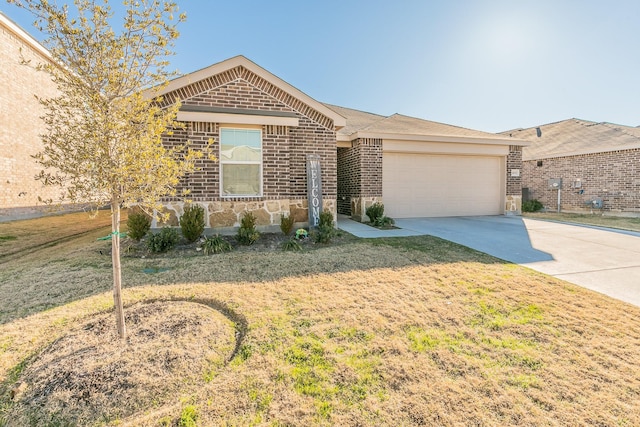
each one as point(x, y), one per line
point(604, 260)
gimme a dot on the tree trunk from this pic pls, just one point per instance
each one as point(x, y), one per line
point(117, 276)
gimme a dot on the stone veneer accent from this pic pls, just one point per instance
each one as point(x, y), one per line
point(359, 207)
point(513, 205)
point(612, 176)
point(224, 215)
point(284, 151)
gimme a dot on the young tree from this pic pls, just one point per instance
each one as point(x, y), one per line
point(103, 144)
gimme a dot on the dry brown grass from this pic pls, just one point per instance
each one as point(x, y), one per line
point(624, 223)
point(20, 237)
point(411, 331)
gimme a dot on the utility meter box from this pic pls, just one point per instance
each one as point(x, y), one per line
point(555, 183)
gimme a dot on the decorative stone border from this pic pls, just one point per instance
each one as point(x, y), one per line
point(227, 215)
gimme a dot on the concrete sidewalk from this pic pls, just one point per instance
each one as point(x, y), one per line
point(604, 260)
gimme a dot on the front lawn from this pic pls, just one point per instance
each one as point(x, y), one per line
point(402, 331)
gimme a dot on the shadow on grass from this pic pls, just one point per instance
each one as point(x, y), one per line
point(86, 269)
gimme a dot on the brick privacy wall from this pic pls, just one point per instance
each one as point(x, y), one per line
point(21, 126)
point(514, 161)
point(348, 160)
point(359, 172)
point(370, 167)
point(284, 148)
point(617, 172)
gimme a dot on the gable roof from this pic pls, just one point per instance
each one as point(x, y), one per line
point(202, 80)
point(349, 123)
point(574, 137)
point(397, 126)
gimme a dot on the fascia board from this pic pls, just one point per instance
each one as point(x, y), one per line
point(440, 138)
point(25, 37)
point(240, 60)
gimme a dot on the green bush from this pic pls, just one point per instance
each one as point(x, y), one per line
point(138, 225)
point(192, 222)
point(164, 240)
point(383, 221)
point(532, 205)
point(215, 245)
point(325, 231)
point(375, 211)
point(291, 245)
point(247, 233)
point(286, 224)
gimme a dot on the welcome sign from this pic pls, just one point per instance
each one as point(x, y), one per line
point(314, 189)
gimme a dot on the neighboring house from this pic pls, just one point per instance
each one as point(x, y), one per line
point(264, 128)
point(20, 123)
point(599, 164)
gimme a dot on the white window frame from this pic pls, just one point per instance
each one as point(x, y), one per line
point(231, 162)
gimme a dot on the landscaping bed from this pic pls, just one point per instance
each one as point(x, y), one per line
point(397, 331)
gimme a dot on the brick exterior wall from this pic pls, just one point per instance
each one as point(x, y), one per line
point(614, 177)
point(21, 126)
point(513, 198)
point(284, 148)
point(514, 161)
point(359, 176)
point(348, 177)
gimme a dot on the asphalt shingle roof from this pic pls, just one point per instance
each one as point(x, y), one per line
point(356, 119)
point(400, 124)
point(575, 136)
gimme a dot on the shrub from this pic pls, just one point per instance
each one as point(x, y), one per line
point(247, 233)
point(138, 225)
point(383, 221)
point(192, 222)
point(375, 211)
point(164, 240)
point(286, 224)
point(215, 245)
point(325, 230)
point(532, 205)
point(291, 245)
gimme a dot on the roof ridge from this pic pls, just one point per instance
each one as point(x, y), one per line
point(620, 128)
point(444, 124)
point(352, 109)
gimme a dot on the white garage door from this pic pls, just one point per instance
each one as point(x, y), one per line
point(416, 185)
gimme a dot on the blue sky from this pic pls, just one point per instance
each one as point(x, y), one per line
point(490, 65)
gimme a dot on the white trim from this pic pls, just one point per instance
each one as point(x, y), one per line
point(435, 138)
point(429, 147)
point(25, 37)
point(260, 163)
point(245, 119)
point(240, 60)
